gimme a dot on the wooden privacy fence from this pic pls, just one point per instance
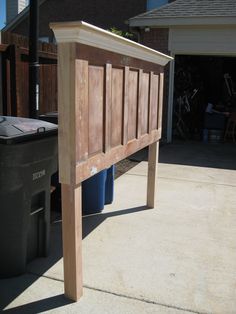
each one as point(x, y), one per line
point(110, 106)
point(10, 38)
point(15, 76)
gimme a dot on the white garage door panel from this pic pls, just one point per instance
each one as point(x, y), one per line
point(221, 41)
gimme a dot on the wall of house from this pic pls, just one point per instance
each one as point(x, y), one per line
point(158, 39)
point(102, 13)
point(14, 7)
point(210, 40)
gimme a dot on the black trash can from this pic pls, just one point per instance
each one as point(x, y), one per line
point(28, 158)
point(109, 187)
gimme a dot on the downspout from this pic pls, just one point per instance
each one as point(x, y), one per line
point(170, 100)
point(33, 59)
point(171, 90)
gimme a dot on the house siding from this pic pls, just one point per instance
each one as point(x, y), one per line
point(203, 41)
point(102, 13)
point(21, 5)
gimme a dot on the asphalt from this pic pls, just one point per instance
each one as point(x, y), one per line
point(179, 257)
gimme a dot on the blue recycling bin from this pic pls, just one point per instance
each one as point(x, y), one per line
point(98, 191)
point(109, 185)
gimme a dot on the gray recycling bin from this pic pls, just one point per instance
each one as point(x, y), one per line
point(28, 158)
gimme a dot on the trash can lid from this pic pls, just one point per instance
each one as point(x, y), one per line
point(15, 129)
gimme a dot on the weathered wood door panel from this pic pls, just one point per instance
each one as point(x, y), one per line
point(132, 104)
point(144, 102)
point(96, 109)
point(117, 110)
point(117, 91)
point(154, 102)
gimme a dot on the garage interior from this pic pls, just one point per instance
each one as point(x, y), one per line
point(199, 81)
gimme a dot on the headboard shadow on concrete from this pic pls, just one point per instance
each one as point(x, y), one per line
point(110, 93)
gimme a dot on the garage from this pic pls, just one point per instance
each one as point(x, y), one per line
point(200, 35)
point(201, 82)
point(204, 73)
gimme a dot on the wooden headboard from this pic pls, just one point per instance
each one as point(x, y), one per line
point(110, 92)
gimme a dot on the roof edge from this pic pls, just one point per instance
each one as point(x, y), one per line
point(182, 21)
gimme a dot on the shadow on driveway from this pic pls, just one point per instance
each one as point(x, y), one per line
point(191, 153)
point(11, 288)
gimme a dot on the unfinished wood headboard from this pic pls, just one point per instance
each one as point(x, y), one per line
point(110, 93)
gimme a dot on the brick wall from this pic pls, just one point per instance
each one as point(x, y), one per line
point(157, 38)
point(102, 13)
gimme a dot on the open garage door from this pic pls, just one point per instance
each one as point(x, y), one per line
point(204, 96)
point(204, 72)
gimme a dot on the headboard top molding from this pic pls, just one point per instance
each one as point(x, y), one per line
point(87, 34)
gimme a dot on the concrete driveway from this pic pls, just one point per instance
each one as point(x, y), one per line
point(177, 258)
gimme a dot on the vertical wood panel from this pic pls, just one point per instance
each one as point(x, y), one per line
point(21, 93)
point(126, 106)
point(95, 100)
point(81, 110)
point(23, 105)
point(7, 101)
point(133, 104)
point(48, 88)
point(154, 102)
point(54, 92)
point(117, 107)
point(13, 82)
point(139, 111)
point(144, 102)
point(150, 101)
point(5, 84)
point(161, 91)
point(108, 109)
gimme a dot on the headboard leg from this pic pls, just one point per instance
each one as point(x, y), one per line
point(153, 151)
point(72, 240)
